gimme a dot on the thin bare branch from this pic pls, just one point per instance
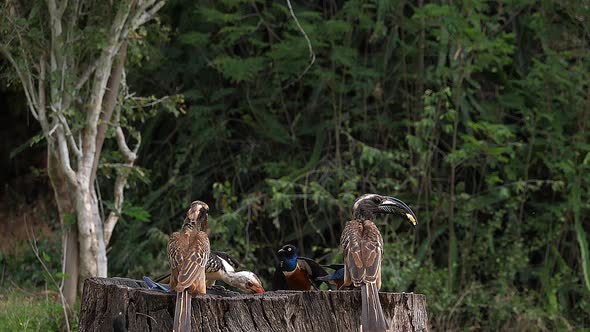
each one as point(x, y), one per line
point(70, 137)
point(41, 88)
point(141, 15)
point(113, 218)
point(130, 156)
point(23, 72)
point(42, 98)
point(148, 14)
point(122, 175)
point(56, 35)
point(4, 51)
point(35, 248)
point(311, 53)
point(120, 182)
point(109, 103)
point(52, 130)
point(86, 74)
point(151, 103)
point(101, 77)
point(64, 154)
point(62, 7)
point(68, 132)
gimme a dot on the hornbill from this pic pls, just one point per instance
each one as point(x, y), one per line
point(295, 272)
point(220, 266)
point(362, 245)
point(188, 253)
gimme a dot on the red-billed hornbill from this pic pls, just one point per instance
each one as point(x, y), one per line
point(362, 246)
point(188, 253)
point(223, 267)
point(220, 266)
point(295, 272)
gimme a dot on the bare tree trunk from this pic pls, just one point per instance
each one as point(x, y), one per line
point(93, 258)
point(109, 102)
point(65, 205)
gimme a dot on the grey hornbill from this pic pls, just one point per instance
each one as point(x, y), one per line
point(362, 245)
point(188, 253)
point(295, 272)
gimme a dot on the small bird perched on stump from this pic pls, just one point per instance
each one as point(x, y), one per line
point(188, 253)
point(295, 272)
point(362, 245)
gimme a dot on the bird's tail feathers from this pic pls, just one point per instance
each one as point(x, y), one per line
point(154, 285)
point(182, 313)
point(372, 317)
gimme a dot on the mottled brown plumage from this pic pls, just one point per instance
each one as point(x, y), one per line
point(188, 252)
point(362, 245)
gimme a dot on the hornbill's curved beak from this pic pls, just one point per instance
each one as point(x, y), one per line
point(281, 251)
point(392, 204)
point(257, 289)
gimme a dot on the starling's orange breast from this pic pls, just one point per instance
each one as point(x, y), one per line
point(298, 280)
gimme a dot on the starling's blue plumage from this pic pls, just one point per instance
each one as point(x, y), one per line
point(154, 285)
point(295, 272)
point(336, 279)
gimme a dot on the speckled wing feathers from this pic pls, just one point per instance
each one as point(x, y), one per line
point(230, 260)
point(214, 264)
point(175, 243)
point(362, 245)
point(188, 253)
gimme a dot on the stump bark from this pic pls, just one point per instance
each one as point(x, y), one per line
point(119, 304)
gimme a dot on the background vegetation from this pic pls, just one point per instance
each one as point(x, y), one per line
point(475, 113)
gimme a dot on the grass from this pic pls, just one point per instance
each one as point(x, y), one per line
point(20, 311)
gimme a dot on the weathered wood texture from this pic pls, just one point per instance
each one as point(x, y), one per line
point(109, 302)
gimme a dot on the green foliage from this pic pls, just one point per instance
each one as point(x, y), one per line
point(21, 312)
point(25, 268)
point(475, 112)
point(38, 308)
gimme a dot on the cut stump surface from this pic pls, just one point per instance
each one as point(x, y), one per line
point(120, 304)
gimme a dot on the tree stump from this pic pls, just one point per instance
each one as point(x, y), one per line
point(119, 304)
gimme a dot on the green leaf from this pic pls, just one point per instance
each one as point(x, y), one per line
point(194, 38)
point(238, 69)
point(137, 212)
point(28, 144)
point(69, 218)
point(62, 275)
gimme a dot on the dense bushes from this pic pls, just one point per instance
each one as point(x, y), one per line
point(474, 112)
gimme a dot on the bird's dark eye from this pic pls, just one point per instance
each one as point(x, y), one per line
point(249, 284)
